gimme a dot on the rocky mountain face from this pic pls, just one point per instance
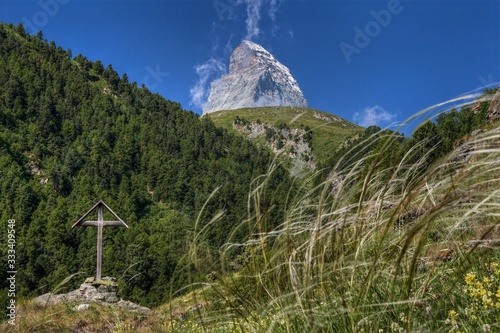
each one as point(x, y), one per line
point(255, 79)
point(294, 143)
point(494, 109)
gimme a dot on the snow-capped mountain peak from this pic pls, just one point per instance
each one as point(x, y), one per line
point(255, 78)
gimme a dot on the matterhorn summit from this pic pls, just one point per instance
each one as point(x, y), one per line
point(255, 78)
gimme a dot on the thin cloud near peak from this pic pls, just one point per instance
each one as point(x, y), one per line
point(373, 116)
point(207, 71)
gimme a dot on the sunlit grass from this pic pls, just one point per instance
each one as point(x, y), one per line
point(328, 131)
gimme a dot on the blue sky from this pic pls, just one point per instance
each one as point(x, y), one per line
point(370, 62)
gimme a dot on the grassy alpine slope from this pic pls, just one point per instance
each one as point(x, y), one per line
point(370, 249)
point(328, 131)
point(337, 264)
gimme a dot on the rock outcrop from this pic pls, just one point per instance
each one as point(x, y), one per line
point(102, 292)
point(294, 143)
point(255, 79)
point(494, 109)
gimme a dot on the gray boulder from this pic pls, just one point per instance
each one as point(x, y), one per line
point(103, 292)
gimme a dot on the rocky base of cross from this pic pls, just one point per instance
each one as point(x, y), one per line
point(102, 292)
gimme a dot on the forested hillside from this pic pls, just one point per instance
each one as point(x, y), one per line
point(431, 141)
point(74, 131)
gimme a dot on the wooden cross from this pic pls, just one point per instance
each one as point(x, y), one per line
point(100, 223)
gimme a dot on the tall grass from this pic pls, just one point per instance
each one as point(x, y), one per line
point(375, 247)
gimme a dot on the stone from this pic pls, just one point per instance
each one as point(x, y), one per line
point(89, 280)
point(92, 291)
point(255, 79)
point(127, 305)
point(49, 299)
point(82, 307)
point(112, 299)
point(106, 288)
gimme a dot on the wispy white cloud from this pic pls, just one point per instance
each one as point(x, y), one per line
point(254, 10)
point(273, 8)
point(211, 69)
point(268, 101)
point(228, 48)
point(375, 115)
point(253, 18)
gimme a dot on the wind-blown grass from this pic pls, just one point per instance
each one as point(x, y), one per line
point(375, 247)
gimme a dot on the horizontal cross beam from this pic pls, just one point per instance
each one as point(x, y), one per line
point(104, 224)
point(100, 223)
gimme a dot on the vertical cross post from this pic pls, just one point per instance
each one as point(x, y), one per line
point(100, 224)
point(99, 242)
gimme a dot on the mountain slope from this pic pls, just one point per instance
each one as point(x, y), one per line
point(72, 132)
point(325, 132)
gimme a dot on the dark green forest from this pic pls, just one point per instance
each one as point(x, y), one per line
point(430, 141)
point(72, 132)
